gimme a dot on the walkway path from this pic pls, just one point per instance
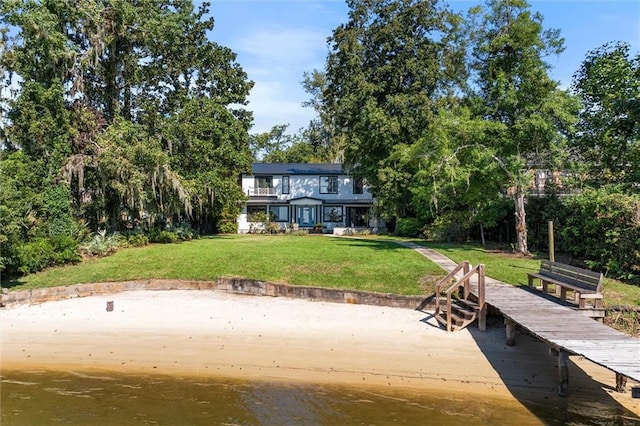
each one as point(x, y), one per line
point(561, 327)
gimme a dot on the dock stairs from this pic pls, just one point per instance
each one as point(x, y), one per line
point(456, 306)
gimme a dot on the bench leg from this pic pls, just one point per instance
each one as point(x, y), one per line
point(563, 373)
point(559, 290)
point(545, 286)
point(563, 292)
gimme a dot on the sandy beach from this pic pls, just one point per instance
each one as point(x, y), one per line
point(267, 338)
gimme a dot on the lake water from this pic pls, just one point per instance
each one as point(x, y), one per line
point(71, 398)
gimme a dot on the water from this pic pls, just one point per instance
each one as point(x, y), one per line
point(43, 398)
point(73, 398)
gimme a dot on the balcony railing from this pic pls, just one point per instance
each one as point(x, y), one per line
point(261, 192)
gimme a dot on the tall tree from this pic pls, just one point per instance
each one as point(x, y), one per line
point(512, 89)
point(277, 146)
point(321, 132)
point(131, 65)
point(608, 137)
point(387, 67)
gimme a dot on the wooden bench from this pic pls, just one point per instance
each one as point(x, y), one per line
point(586, 285)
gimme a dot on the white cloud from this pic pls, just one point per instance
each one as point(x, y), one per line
point(273, 103)
point(286, 45)
point(275, 58)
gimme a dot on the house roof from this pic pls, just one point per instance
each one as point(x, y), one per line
point(297, 169)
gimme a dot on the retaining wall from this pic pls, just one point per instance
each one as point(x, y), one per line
point(229, 285)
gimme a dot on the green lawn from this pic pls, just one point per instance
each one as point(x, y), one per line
point(302, 260)
point(372, 264)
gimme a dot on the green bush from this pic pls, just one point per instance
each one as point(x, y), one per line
point(65, 250)
point(184, 231)
point(164, 237)
point(449, 227)
point(137, 240)
point(600, 228)
point(408, 227)
point(603, 228)
point(35, 255)
point(228, 227)
point(42, 253)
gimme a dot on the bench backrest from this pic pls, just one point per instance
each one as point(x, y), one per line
point(579, 277)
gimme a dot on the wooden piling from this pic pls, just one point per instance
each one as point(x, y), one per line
point(511, 332)
point(563, 373)
point(552, 250)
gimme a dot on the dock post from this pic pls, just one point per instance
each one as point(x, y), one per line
point(563, 373)
point(511, 331)
point(621, 383)
point(482, 315)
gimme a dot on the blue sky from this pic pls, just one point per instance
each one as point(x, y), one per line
point(277, 40)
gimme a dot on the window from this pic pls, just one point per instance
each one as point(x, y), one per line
point(358, 185)
point(252, 210)
point(328, 184)
point(279, 213)
point(264, 182)
point(332, 214)
point(285, 184)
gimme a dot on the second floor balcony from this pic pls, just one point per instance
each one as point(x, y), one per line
point(262, 192)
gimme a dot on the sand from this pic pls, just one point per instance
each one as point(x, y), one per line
point(265, 338)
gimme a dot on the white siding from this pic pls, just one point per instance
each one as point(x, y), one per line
point(308, 186)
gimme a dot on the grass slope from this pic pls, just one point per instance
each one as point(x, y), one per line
point(312, 260)
point(372, 264)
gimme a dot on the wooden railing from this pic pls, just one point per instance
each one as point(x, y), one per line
point(268, 192)
point(464, 290)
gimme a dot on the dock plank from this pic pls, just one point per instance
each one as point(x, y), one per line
point(558, 325)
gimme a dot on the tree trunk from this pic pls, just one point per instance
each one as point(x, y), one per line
point(521, 223)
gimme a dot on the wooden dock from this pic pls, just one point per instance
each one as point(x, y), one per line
point(564, 329)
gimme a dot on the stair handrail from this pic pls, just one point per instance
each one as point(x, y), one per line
point(463, 284)
point(464, 266)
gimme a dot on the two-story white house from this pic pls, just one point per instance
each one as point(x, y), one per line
point(306, 195)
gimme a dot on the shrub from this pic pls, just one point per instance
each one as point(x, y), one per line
point(35, 255)
point(273, 227)
point(408, 227)
point(41, 253)
point(448, 227)
point(184, 231)
point(228, 227)
point(164, 237)
point(65, 250)
point(603, 229)
point(100, 244)
point(600, 228)
point(137, 240)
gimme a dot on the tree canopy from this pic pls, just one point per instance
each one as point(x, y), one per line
point(608, 136)
point(129, 108)
point(433, 104)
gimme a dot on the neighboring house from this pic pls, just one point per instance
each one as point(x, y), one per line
point(546, 182)
point(297, 195)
